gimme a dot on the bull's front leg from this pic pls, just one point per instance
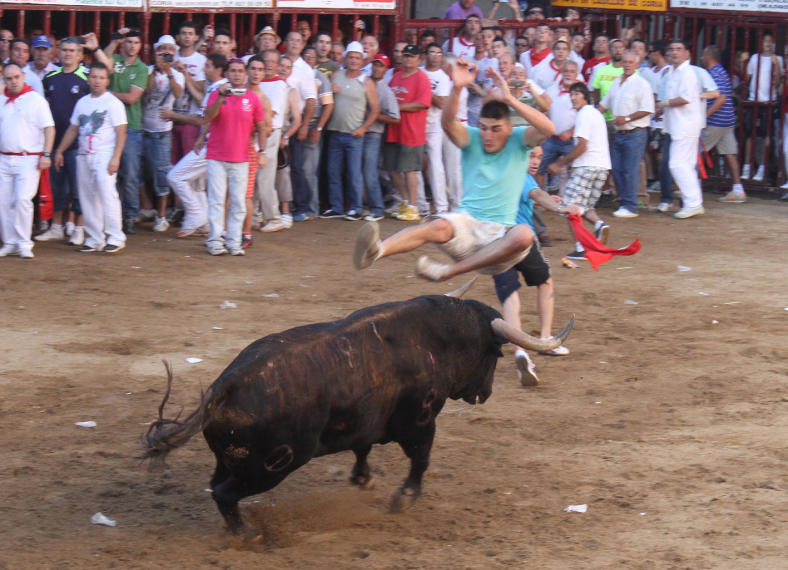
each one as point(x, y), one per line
point(361, 474)
point(416, 445)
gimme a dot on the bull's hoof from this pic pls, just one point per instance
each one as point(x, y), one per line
point(403, 500)
point(364, 482)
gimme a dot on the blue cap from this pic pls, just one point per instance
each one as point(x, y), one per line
point(41, 41)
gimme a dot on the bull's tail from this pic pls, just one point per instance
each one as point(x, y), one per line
point(164, 435)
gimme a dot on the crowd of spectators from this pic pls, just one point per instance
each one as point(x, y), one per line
point(220, 140)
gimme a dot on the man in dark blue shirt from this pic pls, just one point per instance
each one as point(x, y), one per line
point(63, 88)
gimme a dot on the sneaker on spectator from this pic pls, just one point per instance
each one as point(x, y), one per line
point(685, 213)
point(203, 231)
point(624, 213)
point(246, 241)
point(331, 214)
point(303, 217)
point(287, 220)
point(87, 249)
point(602, 233)
point(745, 171)
point(398, 211)
point(185, 232)
point(217, 249)
point(372, 217)
point(129, 226)
point(77, 236)
point(112, 248)
point(759, 174)
point(9, 249)
point(653, 186)
point(69, 228)
point(784, 187)
point(161, 225)
point(26, 254)
point(526, 369)
point(577, 256)
point(664, 207)
point(411, 214)
point(431, 270)
point(733, 198)
point(43, 225)
point(353, 215)
point(54, 232)
point(146, 215)
point(275, 225)
point(236, 251)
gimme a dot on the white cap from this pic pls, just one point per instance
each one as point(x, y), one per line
point(356, 47)
point(164, 40)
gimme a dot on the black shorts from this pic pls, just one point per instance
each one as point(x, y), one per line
point(764, 117)
point(535, 270)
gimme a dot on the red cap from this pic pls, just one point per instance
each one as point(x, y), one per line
point(382, 58)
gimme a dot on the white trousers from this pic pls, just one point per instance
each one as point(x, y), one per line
point(187, 179)
point(682, 163)
point(98, 198)
point(18, 186)
point(452, 156)
point(227, 180)
point(265, 188)
point(436, 171)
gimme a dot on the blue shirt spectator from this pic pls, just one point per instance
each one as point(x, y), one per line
point(725, 115)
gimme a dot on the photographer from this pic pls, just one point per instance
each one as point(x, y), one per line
point(165, 84)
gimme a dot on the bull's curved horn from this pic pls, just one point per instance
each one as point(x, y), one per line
point(462, 290)
point(524, 340)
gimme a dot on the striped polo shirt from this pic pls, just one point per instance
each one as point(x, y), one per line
point(724, 117)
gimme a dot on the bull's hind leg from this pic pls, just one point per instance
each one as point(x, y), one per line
point(416, 445)
point(361, 475)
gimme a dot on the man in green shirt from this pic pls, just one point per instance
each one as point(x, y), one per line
point(128, 82)
point(604, 77)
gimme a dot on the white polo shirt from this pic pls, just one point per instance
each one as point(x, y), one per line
point(561, 111)
point(302, 78)
point(633, 96)
point(22, 122)
point(590, 125)
point(276, 89)
point(686, 120)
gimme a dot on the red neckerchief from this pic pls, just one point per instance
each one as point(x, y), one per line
point(537, 57)
point(556, 69)
point(561, 89)
point(12, 97)
point(274, 78)
point(596, 253)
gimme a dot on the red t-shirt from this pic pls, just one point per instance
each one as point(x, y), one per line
point(412, 128)
point(232, 127)
point(590, 64)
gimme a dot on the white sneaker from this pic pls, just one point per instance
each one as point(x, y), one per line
point(146, 215)
point(217, 249)
point(784, 186)
point(9, 249)
point(526, 369)
point(624, 213)
point(77, 236)
point(69, 228)
point(664, 207)
point(237, 251)
point(745, 171)
point(760, 173)
point(55, 231)
point(43, 225)
point(275, 225)
point(287, 220)
point(689, 212)
point(431, 270)
point(26, 253)
point(161, 225)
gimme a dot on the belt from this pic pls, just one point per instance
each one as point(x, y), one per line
point(630, 130)
point(21, 153)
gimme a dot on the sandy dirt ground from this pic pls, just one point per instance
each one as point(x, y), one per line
point(669, 418)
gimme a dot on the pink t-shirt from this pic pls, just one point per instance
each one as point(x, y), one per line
point(412, 128)
point(232, 127)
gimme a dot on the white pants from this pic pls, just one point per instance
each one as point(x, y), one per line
point(227, 180)
point(187, 180)
point(18, 186)
point(436, 171)
point(265, 188)
point(98, 197)
point(452, 156)
point(682, 163)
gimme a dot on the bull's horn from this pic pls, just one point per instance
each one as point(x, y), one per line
point(524, 340)
point(462, 290)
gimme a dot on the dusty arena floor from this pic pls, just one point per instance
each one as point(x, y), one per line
point(669, 419)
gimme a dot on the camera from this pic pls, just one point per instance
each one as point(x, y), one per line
point(516, 83)
point(117, 36)
point(167, 57)
point(237, 91)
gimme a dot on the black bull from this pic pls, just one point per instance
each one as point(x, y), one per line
point(382, 374)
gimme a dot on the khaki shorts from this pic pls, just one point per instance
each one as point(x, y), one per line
point(721, 138)
point(470, 235)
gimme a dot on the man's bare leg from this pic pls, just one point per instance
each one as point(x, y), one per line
point(526, 369)
point(369, 248)
point(544, 306)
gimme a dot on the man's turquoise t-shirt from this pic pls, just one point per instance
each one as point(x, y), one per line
point(493, 183)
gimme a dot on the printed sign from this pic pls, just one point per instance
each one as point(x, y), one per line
point(85, 3)
point(211, 4)
point(647, 5)
point(779, 6)
point(350, 5)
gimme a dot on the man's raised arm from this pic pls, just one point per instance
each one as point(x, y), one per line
point(464, 73)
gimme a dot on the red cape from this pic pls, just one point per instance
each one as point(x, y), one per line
point(596, 253)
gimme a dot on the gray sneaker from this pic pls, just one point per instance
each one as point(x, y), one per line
point(526, 369)
point(367, 245)
point(217, 250)
point(236, 251)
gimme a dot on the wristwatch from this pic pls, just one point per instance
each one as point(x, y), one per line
point(46, 154)
point(170, 76)
point(627, 119)
point(319, 129)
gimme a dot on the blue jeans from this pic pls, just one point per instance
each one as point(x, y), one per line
point(64, 184)
point(627, 152)
point(371, 157)
point(302, 199)
point(665, 177)
point(129, 174)
point(311, 165)
point(554, 148)
point(156, 148)
point(344, 147)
